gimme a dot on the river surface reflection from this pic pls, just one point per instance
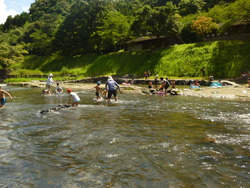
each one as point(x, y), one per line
point(141, 141)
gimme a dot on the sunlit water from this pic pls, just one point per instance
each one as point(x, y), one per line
point(141, 141)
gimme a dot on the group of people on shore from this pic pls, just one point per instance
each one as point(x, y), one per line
point(162, 85)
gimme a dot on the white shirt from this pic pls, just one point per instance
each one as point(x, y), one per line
point(75, 97)
point(49, 81)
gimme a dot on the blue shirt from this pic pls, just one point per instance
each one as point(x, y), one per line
point(112, 85)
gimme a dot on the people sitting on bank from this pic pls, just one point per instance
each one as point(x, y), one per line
point(173, 84)
point(167, 84)
point(126, 83)
point(151, 88)
point(164, 84)
point(195, 84)
point(210, 78)
point(132, 81)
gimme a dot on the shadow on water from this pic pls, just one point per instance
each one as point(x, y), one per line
point(140, 141)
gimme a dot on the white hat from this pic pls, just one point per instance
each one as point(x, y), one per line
point(110, 78)
point(50, 74)
point(156, 76)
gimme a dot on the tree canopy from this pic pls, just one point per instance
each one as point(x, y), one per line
point(75, 27)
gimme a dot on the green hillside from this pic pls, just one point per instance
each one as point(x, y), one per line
point(223, 59)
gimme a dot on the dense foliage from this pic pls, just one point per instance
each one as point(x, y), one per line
point(76, 27)
point(222, 59)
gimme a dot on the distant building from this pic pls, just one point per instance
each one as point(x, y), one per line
point(237, 31)
point(151, 42)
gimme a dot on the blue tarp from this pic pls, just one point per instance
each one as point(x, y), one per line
point(215, 84)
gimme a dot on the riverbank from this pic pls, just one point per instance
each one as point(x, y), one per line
point(225, 92)
point(234, 91)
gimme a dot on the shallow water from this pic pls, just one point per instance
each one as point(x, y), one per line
point(141, 141)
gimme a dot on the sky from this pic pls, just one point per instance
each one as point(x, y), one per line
point(13, 7)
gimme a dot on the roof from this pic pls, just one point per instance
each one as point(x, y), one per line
point(145, 38)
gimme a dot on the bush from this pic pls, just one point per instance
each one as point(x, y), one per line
point(25, 73)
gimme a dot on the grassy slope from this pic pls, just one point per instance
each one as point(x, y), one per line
point(223, 59)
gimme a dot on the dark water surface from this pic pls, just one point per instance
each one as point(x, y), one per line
point(141, 141)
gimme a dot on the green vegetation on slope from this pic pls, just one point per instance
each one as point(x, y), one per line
point(223, 59)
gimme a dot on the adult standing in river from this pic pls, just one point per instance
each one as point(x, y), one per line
point(49, 83)
point(111, 86)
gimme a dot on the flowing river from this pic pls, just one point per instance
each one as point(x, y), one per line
point(140, 141)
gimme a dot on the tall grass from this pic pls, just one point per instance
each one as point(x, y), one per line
point(26, 73)
point(223, 59)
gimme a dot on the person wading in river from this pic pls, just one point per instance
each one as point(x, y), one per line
point(2, 97)
point(49, 83)
point(111, 85)
point(74, 96)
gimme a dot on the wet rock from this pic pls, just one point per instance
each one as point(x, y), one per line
point(55, 109)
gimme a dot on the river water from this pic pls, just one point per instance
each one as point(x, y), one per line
point(140, 141)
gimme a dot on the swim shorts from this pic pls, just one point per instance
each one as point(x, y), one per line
point(3, 101)
point(110, 93)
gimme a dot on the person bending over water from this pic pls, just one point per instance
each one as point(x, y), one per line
point(74, 96)
point(2, 97)
point(111, 85)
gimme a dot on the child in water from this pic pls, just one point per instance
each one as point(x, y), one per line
point(98, 90)
point(74, 96)
point(58, 89)
point(2, 97)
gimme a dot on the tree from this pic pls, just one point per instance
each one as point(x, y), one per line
point(163, 21)
point(157, 21)
point(190, 6)
point(203, 25)
point(41, 43)
point(230, 14)
point(42, 7)
point(11, 54)
point(72, 38)
point(127, 7)
point(113, 31)
point(211, 3)
point(16, 21)
point(239, 11)
point(11, 51)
